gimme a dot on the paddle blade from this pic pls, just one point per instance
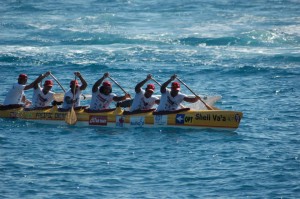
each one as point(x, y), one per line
point(71, 117)
point(210, 100)
point(59, 97)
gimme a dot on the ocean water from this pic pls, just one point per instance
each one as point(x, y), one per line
point(246, 51)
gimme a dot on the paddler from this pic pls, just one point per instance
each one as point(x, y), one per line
point(102, 96)
point(143, 99)
point(42, 96)
point(16, 94)
point(71, 98)
point(172, 99)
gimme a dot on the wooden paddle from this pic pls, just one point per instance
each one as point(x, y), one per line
point(59, 97)
point(156, 81)
point(118, 85)
point(58, 82)
point(207, 106)
point(71, 117)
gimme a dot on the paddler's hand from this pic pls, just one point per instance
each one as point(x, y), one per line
point(47, 73)
point(77, 74)
point(27, 103)
point(149, 77)
point(73, 101)
point(127, 95)
point(198, 97)
point(106, 75)
point(173, 77)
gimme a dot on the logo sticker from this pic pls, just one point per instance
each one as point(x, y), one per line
point(98, 120)
point(237, 118)
point(13, 114)
point(161, 120)
point(120, 121)
point(137, 121)
point(180, 118)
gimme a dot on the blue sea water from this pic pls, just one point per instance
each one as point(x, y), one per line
point(246, 51)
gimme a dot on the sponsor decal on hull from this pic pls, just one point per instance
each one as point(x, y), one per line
point(160, 120)
point(120, 121)
point(180, 119)
point(183, 119)
point(137, 121)
point(56, 116)
point(237, 118)
point(98, 120)
point(13, 114)
point(218, 117)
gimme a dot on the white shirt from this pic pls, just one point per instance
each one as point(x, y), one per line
point(141, 102)
point(39, 99)
point(70, 94)
point(169, 103)
point(100, 101)
point(15, 94)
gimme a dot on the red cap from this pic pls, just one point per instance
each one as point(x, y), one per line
point(106, 84)
point(23, 76)
point(48, 83)
point(74, 82)
point(150, 87)
point(175, 86)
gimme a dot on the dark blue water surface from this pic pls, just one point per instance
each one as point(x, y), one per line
point(246, 51)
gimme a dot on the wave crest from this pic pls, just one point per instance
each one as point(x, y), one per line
point(252, 38)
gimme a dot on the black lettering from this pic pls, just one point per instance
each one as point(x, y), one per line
point(199, 116)
point(224, 119)
point(219, 118)
point(188, 119)
point(60, 115)
point(216, 118)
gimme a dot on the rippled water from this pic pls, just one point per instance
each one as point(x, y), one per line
point(248, 52)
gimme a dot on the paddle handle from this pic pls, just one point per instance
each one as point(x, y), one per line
point(71, 117)
point(84, 96)
point(118, 85)
point(156, 81)
point(57, 82)
point(74, 91)
point(207, 106)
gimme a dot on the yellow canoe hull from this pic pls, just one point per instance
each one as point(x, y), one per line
point(216, 119)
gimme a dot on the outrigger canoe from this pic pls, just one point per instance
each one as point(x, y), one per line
point(117, 117)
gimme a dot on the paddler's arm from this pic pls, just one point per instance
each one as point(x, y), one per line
point(120, 98)
point(192, 99)
point(139, 85)
point(84, 84)
point(37, 81)
point(98, 83)
point(163, 87)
